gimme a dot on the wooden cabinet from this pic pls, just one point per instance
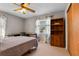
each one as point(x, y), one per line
point(57, 32)
point(73, 29)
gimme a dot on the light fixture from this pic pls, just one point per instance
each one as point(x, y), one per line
point(23, 11)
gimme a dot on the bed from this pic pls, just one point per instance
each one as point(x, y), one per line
point(16, 46)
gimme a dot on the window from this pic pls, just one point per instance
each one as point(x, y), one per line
point(43, 26)
point(2, 26)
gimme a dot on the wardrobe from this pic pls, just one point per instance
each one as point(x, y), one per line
point(73, 29)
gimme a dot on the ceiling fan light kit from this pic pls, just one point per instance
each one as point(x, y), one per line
point(24, 7)
point(24, 12)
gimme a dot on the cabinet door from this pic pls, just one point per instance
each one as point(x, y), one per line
point(73, 29)
point(62, 40)
point(56, 40)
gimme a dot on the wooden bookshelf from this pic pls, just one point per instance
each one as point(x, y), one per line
point(57, 32)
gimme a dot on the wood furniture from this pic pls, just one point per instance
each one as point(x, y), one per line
point(73, 29)
point(24, 34)
point(57, 32)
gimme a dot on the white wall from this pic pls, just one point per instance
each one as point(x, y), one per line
point(59, 14)
point(66, 25)
point(14, 24)
point(30, 23)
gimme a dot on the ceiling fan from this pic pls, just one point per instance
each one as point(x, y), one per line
point(24, 6)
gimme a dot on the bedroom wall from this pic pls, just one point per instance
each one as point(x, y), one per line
point(31, 22)
point(14, 24)
point(30, 25)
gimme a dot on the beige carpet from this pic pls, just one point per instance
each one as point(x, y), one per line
point(47, 50)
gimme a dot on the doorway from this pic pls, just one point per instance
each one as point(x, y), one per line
point(43, 30)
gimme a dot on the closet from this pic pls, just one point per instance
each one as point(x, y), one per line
point(73, 29)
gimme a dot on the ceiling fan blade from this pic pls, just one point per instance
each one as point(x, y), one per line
point(18, 9)
point(30, 9)
point(25, 4)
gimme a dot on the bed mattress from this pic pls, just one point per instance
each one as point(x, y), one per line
point(16, 46)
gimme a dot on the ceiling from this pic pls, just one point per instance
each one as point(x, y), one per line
point(40, 8)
